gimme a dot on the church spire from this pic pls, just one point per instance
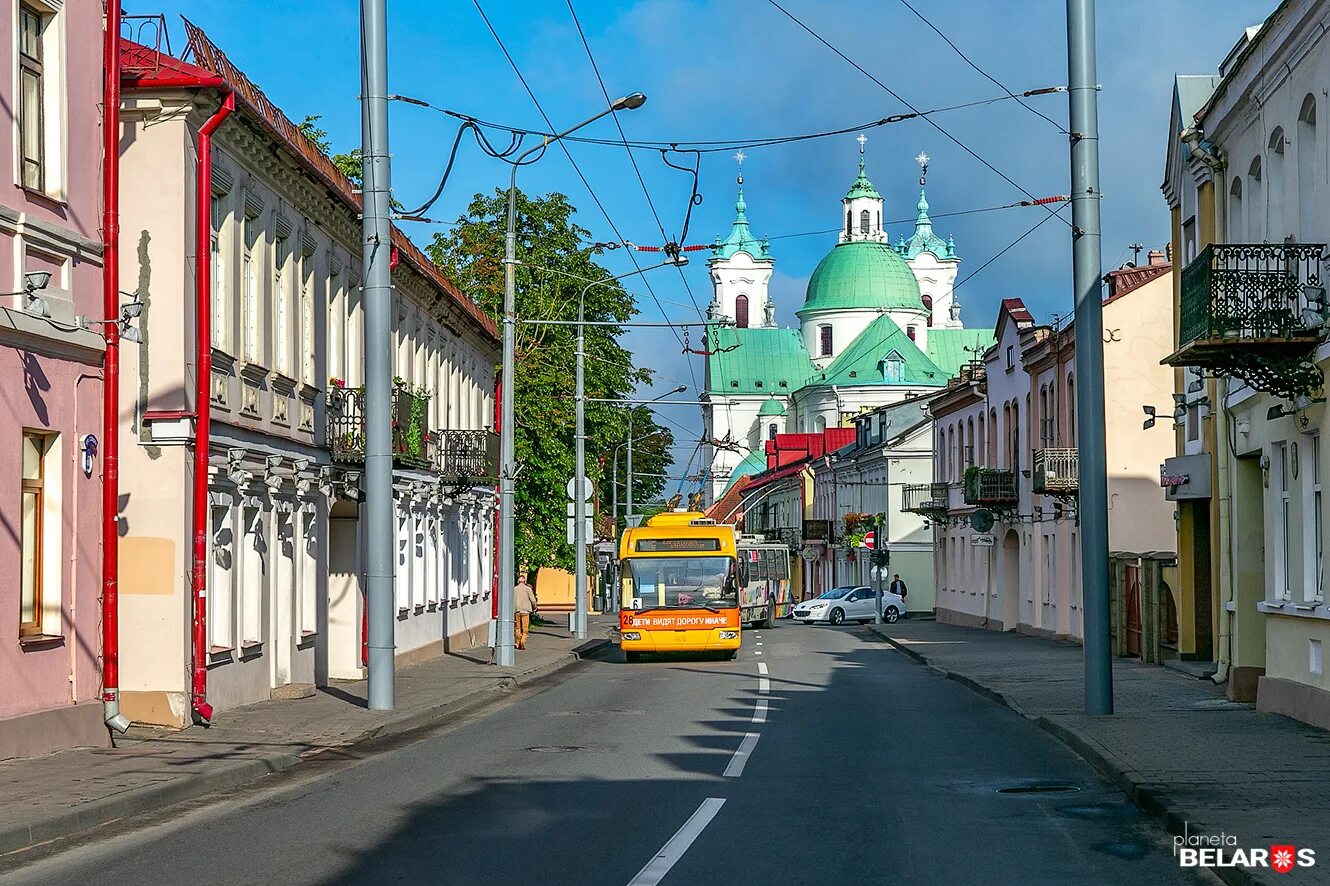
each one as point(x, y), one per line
point(924, 239)
point(741, 237)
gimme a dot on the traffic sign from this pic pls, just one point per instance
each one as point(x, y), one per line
point(572, 509)
point(982, 541)
point(587, 489)
point(587, 535)
point(870, 539)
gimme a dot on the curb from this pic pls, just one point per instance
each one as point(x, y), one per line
point(1150, 800)
point(233, 775)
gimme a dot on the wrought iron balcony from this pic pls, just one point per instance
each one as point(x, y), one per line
point(990, 486)
point(410, 417)
point(1255, 311)
point(1055, 472)
point(925, 498)
point(466, 457)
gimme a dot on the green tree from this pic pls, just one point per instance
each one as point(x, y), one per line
point(348, 164)
point(557, 261)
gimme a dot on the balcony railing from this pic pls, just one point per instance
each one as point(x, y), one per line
point(990, 486)
point(466, 457)
point(410, 418)
point(1255, 311)
point(1055, 472)
point(924, 498)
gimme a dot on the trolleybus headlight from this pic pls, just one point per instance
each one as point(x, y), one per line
point(729, 635)
point(632, 635)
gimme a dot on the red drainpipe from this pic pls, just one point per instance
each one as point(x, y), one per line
point(494, 573)
point(111, 375)
point(203, 401)
point(203, 352)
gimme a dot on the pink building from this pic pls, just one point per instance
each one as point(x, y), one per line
point(51, 407)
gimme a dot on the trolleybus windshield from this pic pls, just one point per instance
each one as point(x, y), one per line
point(682, 582)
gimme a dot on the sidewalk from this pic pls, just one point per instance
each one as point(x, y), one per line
point(1175, 745)
point(61, 794)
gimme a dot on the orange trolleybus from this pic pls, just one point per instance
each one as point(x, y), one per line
point(679, 586)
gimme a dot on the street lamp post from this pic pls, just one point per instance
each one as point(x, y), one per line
point(504, 653)
point(614, 492)
point(580, 481)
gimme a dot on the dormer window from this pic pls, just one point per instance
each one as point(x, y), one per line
point(893, 367)
point(1011, 358)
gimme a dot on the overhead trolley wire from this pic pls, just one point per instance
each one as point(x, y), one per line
point(931, 122)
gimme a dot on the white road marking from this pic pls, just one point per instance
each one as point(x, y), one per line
point(761, 667)
point(763, 685)
point(672, 851)
point(759, 642)
point(741, 755)
point(758, 652)
point(760, 715)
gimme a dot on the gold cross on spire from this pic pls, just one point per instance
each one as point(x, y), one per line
point(922, 160)
point(862, 140)
point(739, 158)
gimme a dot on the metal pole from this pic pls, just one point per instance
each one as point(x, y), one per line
point(1086, 274)
point(504, 652)
point(579, 496)
point(377, 252)
point(628, 489)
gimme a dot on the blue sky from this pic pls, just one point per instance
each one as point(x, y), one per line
point(739, 68)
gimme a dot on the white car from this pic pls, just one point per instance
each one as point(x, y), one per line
point(850, 603)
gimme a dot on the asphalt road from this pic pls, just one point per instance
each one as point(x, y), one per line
point(843, 763)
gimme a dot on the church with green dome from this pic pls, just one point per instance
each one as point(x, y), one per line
point(879, 324)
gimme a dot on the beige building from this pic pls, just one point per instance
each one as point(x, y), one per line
point(1253, 311)
point(284, 571)
point(1005, 444)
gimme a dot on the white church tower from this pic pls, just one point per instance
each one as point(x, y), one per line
point(863, 208)
point(740, 267)
point(933, 262)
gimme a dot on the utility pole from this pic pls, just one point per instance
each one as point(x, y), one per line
point(628, 490)
point(1087, 272)
point(378, 293)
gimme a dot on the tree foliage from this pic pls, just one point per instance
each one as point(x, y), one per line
point(557, 262)
point(349, 164)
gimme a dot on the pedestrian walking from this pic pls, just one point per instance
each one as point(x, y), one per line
point(899, 589)
point(524, 603)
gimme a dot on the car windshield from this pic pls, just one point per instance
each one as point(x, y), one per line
point(700, 582)
point(835, 593)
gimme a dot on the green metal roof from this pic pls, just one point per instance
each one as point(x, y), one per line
point(741, 238)
point(865, 362)
point(924, 240)
point(755, 463)
point(862, 187)
point(772, 407)
point(756, 361)
point(947, 347)
point(862, 274)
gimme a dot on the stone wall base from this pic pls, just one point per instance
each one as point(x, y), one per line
point(967, 619)
point(55, 729)
point(1292, 699)
point(1242, 683)
point(155, 708)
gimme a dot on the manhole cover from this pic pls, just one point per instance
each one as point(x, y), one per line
point(556, 748)
point(1039, 789)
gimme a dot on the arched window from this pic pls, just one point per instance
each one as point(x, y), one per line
point(741, 312)
point(969, 442)
point(849, 223)
point(1309, 226)
point(1045, 423)
point(824, 340)
point(1071, 410)
point(941, 454)
point(1015, 436)
point(928, 306)
point(1006, 435)
point(865, 222)
point(771, 431)
point(910, 332)
point(982, 451)
point(1255, 208)
point(992, 437)
point(820, 424)
point(1275, 224)
point(1235, 232)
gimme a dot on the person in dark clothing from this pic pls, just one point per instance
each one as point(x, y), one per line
point(899, 589)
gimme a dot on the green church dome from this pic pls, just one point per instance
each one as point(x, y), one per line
point(772, 407)
point(862, 274)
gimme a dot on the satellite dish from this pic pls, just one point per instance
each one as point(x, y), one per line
point(981, 520)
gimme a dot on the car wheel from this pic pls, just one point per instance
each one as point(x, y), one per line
point(731, 654)
point(892, 615)
point(633, 657)
point(837, 616)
